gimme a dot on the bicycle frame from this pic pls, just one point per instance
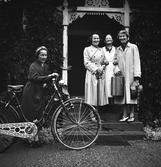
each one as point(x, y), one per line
point(75, 123)
point(30, 128)
point(51, 104)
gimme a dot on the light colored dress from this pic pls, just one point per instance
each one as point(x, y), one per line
point(129, 64)
point(110, 69)
point(94, 88)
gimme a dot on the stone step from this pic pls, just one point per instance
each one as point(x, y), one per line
point(122, 126)
point(112, 109)
point(105, 136)
point(114, 117)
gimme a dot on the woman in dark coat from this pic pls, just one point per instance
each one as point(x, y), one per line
point(33, 99)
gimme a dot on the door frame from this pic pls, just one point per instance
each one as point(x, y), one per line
point(121, 15)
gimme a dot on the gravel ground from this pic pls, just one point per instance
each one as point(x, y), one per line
point(138, 153)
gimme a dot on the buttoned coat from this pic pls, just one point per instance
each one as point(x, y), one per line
point(33, 99)
point(94, 88)
point(130, 67)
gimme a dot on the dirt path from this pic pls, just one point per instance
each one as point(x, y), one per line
point(109, 154)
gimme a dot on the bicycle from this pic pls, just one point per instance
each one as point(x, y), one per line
point(74, 123)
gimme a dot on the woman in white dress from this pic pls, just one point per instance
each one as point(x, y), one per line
point(112, 68)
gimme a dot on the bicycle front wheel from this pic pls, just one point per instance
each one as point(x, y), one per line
point(6, 141)
point(77, 125)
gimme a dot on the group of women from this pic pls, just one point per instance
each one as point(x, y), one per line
point(104, 63)
point(101, 64)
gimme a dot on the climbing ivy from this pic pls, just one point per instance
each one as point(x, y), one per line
point(145, 31)
point(39, 23)
point(25, 26)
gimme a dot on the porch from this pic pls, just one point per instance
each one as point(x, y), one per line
point(78, 24)
point(114, 130)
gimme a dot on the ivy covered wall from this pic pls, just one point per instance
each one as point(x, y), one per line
point(25, 26)
point(145, 31)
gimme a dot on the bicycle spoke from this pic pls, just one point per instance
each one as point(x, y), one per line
point(85, 114)
point(75, 128)
point(6, 141)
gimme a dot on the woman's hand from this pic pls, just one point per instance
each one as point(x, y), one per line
point(115, 62)
point(118, 73)
point(106, 62)
point(99, 72)
point(54, 75)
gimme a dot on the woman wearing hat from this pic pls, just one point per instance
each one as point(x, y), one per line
point(33, 98)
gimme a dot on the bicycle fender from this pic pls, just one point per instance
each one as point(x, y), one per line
point(11, 110)
point(66, 102)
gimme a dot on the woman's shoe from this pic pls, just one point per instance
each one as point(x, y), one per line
point(124, 119)
point(131, 119)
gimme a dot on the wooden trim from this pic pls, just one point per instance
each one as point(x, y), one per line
point(99, 9)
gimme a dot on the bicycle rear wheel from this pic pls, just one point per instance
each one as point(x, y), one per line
point(6, 141)
point(77, 126)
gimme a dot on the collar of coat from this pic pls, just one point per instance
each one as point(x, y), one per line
point(96, 47)
point(127, 45)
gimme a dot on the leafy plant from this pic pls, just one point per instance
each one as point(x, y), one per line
point(145, 31)
point(40, 24)
point(46, 136)
point(153, 133)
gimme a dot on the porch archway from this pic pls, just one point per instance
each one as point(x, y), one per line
point(78, 35)
point(91, 8)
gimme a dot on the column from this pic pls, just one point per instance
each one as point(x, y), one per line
point(127, 16)
point(65, 42)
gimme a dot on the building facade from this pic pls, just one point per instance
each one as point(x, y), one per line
point(80, 19)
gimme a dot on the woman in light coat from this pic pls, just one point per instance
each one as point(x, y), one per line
point(129, 63)
point(94, 79)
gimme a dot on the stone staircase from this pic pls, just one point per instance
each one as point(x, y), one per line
point(112, 129)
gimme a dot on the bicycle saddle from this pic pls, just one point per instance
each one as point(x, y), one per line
point(15, 87)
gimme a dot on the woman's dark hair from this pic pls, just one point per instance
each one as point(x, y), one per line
point(39, 49)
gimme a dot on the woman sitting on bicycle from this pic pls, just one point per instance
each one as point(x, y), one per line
point(33, 98)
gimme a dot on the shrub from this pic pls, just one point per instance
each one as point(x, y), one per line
point(46, 136)
point(145, 31)
point(153, 133)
